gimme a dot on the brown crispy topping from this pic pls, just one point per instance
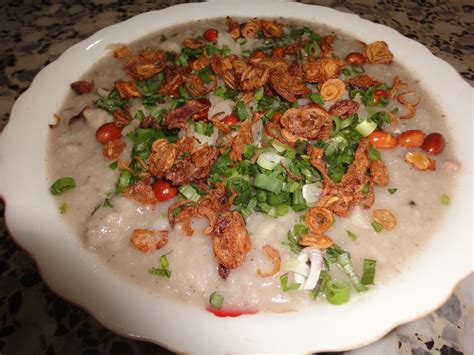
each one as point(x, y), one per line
point(140, 192)
point(127, 89)
point(196, 210)
point(319, 241)
point(254, 77)
point(379, 173)
point(113, 148)
point(146, 64)
point(307, 122)
point(274, 256)
point(322, 69)
point(233, 27)
point(82, 87)
point(251, 28)
point(319, 219)
point(243, 137)
point(147, 240)
point(122, 118)
point(122, 52)
point(162, 157)
point(201, 62)
point(332, 89)
point(73, 119)
point(287, 85)
point(362, 82)
point(231, 241)
point(174, 79)
point(271, 29)
point(326, 45)
point(344, 108)
point(397, 84)
point(385, 218)
point(223, 271)
point(378, 53)
point(178, 117)
point(193, 43)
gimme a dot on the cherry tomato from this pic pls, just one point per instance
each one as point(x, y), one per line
point(434, 143)
point(378, 94)
point(164, 191)
point(107, 132)
point(382, 140)
point(276, 117)
point(229, 312)
point(278, 52)
point(258, 54)
point(230, 120)
point(355, 58)
point(210, 35)
point(411, 139)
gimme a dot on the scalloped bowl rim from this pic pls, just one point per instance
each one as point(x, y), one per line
point(81, 278)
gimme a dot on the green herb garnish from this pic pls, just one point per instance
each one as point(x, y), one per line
point(61, 185)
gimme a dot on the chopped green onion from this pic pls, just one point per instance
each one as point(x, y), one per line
point(61, 185)
point(312, 49)
point(445, 200)
point(392, 190)
point(204, 128)
point(63, 208)
point(351, 235)
point(337, 292)
point(344, 261)
point(139, 115)
point(183, 93)
point(395, 110)
point(216, 300)
point(241, 41)
point(357, 69)
point(268, 183)
point(269, 160)
point(284, 284)
point(107, 203)
point(366, 188)
point(282, 210)
point(249, 208)
point(324, 278)
point(316, 98)
point(377, 227)
point(219, 91)
point(280, 147)
point(369, 272)
point(249, 151)
point(182, 60)
point(346, 72)
point(374, 154)
point(164, 271)
point(113, 165)
point(189, 193)
point(242, 111)
point(366, 127)
point(259, 94)
point(124, 180)
point(246, 54)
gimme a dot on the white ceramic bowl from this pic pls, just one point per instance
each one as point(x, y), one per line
point(78, 276)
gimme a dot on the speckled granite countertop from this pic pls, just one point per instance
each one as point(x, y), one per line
point(34, 33)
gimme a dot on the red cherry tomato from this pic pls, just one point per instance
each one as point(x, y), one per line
point(164, 191)
point(107, 132)
point(229, 312)
point(258, 54)
point(378, 94)
point(434, 143)
point(276, 117)
point(211, 35)
point(382, 140)
point(278, 52)
point(230, 120)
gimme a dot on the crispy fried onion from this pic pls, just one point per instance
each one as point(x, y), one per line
point(344, 108)
point(307, 122)
point(147, 240)
point(113, 148)
point(318, 219)
point(195, 210)
point(122, 52)
point(378, 53)
point(223, 67)
point(146, 64)
point(379, 173)
point(221, 126)
point(340, 197)
point(194, 167)
point(251, 28)
point(243, 137)
point(287, 85)
point(319, 241)
point(332, 89)
point(195, 86)
point(193, 43)
point(201, 62)
point(216, 198)
point(140, 192)
point(385, 218)
point(174, 79)
point(322, 69)
point(362, 82)
point(127, 89)
point(178, 117)
point(272, 29)
point(274, 256)
point(410, 104)
point(233, 27)
point(82, 87)
point(397, 84)
point(254, 77)
point(162, 157)
point(122, 117)
point(326, 45)
point(275, 131)
point(231, 241)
